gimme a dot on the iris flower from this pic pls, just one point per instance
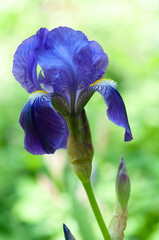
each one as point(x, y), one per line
point(72, 68)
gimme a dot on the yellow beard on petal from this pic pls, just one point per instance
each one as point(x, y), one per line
point(39, 91)
point(104, 81)
point(36, 94)
point(100, 80)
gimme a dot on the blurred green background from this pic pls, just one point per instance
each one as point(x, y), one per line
point(40, 193)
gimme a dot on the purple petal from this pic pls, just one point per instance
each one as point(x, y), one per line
point(116, 109)
point(45, 129)
point(68, 235)
point(48, 87)
point(66, 60)
point(25, 62)
point(99, 59)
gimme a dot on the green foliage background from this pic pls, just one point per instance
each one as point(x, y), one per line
point(39, 193)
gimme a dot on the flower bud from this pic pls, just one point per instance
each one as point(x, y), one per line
point(68, 235)
point(122, 185)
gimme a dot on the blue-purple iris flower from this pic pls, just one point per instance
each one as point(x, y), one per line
point(71, 67)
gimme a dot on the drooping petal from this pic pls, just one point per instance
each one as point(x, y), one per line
point(68, 235)
point(99, 59)
point(45, 129)
point(116, 108)
point(25, 62)
point(66, 60)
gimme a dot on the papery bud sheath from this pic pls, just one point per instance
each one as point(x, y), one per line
point(80, 150)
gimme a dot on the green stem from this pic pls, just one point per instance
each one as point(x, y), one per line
point(88, 188)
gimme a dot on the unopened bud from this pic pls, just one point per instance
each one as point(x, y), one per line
point(68, 234)
point(122, 185)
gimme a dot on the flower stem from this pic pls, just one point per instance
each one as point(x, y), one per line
point(88, 188)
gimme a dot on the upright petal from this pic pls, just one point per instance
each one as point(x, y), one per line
point(66, 60)
point(45, 129)
point(99, 59)
point(25, 62)
point(116, 109)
